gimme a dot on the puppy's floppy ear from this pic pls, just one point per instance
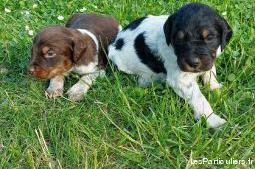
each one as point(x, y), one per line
point(168, 29)
point(226, 32)
point(83, 50)
point(79, 48)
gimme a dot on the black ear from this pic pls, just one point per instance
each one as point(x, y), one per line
point(168, 29)
point(226, 32)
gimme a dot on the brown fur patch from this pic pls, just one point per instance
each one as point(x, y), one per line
point(205, 33)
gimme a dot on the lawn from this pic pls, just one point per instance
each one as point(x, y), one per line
point(118, 124)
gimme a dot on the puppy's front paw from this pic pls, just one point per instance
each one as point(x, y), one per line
point(214, 86)
point(76, 93)
point(53, 93)
point(215, 121)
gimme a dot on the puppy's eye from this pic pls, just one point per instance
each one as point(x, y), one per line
point(180, 36)
point(209, 38)
point(50, 54)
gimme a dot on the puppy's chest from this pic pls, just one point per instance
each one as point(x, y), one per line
point(85, 69)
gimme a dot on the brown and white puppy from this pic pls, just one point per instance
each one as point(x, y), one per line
point(79, 47)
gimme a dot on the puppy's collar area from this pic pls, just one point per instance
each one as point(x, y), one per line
point(91, 35)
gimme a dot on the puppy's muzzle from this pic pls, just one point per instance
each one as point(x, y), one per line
point(193, 62)
point(31, 70)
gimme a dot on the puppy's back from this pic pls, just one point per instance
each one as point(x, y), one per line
point(104, 27)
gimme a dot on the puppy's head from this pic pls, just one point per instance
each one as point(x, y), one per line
point(55, 50)
point(196, 32)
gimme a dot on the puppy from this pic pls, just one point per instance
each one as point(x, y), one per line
point(175, 49)
point(78, 47)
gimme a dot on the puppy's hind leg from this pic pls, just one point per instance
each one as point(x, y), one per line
point(209, 77)
point(144, 82)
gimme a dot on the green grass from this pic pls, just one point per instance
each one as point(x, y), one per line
point(118, 124)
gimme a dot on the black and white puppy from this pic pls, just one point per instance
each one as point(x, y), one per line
point(175, 48)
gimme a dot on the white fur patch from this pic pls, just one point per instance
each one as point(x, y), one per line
point(91, 35)
point(85, 69)
point(50, 56)
point(120, 28)
point(209, 77)
point(218, 52)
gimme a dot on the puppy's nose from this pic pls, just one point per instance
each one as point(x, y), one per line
point(31, 70)
point(194, 62)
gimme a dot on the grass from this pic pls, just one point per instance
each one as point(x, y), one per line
point(120, 125)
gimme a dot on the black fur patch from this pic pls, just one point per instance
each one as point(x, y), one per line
point(133, 25)
point(119, 44)
point(146, 55)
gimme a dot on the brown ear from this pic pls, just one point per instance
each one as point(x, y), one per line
point(83, 51)
point(79, 47)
